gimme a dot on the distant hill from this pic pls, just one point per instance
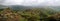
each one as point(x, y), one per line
point(19, 7)
point(2, 7)
point(57, 8)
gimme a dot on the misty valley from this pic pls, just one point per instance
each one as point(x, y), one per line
point(29, 13)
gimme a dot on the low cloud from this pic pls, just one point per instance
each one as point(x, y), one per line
point(32, 2)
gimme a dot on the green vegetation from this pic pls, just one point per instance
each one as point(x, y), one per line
point(35, 14)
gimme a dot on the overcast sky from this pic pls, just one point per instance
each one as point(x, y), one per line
point(31, 2)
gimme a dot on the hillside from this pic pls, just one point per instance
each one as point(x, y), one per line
point(34, 14)
point(28, 13)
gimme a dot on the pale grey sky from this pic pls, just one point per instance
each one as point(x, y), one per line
point(32, 2)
